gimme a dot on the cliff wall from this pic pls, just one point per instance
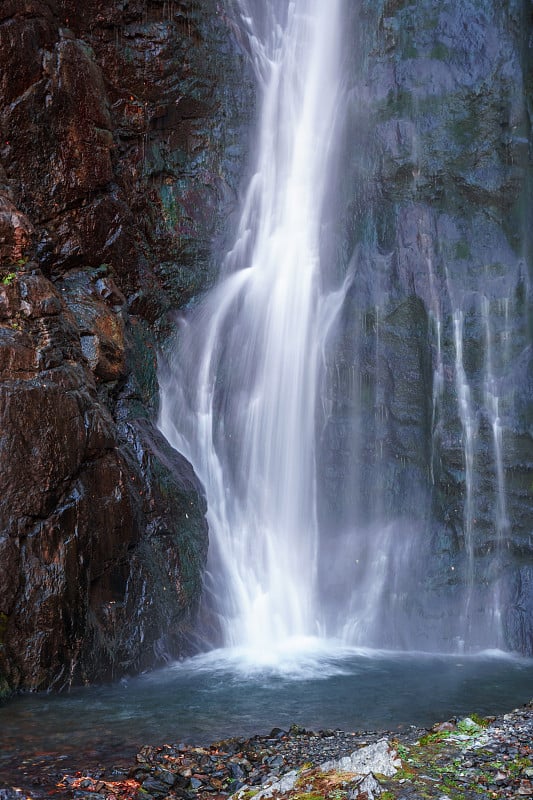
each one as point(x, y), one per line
point(427, 446)
point(120, 155)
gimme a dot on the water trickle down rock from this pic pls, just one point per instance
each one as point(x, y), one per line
point(426, 432)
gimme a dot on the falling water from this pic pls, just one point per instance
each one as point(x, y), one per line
point(426, 242)
point(468, 424)
point(240, 397)
point(492, 404)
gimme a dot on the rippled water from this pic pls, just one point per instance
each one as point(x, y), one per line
point(235, 692)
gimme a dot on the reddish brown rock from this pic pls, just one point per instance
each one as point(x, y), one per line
point(96, 304)
point(115, 132)
point(24, 29)
point(16, 232)
point(79, 550)
point(118, 164)
point(64, 115)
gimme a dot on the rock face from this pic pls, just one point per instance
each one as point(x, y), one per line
point(121, 127)
point(428, 428)
point(102, 543)
point(119, 166)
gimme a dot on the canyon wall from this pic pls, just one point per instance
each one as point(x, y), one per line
point(122, 131)
point(427, 446)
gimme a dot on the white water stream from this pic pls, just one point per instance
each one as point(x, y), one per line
point(240, 398)
point(262, 366)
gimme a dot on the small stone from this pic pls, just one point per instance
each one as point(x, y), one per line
point(368, 788)
point(378, 757)
point(275, 761)
point(155, 787)
point(236, 771)
point(167, 777)
point(500, 777)
point(441, 727)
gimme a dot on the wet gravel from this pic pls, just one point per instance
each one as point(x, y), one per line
point(227, 766)
point(462, 760)
point(455, 760)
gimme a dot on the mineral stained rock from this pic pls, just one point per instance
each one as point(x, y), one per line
point(119, 165)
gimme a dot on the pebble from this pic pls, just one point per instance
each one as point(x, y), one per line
point(493, 762)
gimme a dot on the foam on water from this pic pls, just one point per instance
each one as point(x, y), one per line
point(298, 658)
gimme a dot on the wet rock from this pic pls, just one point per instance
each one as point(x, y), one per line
point(121, 142)
point(118, 169)
point(16, 232)
point(437, 124)
point(78, 549)
point(155, 787)
point(96, 304)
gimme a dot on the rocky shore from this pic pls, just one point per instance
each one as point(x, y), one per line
point(468, 758)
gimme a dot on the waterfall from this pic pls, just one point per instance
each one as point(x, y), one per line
point(355, 436)
point(240, 398)
point(468, 423)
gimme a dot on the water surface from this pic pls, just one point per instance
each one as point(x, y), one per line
point(236, 693)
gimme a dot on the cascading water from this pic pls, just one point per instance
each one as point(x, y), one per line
point(467, 421)
point(353, 440)
point(240, 401)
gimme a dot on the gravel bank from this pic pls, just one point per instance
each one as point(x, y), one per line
point(464, 759)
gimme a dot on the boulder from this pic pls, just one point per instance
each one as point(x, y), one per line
point(87, 534)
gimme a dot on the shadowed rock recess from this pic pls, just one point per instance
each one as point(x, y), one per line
point(120, 156)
